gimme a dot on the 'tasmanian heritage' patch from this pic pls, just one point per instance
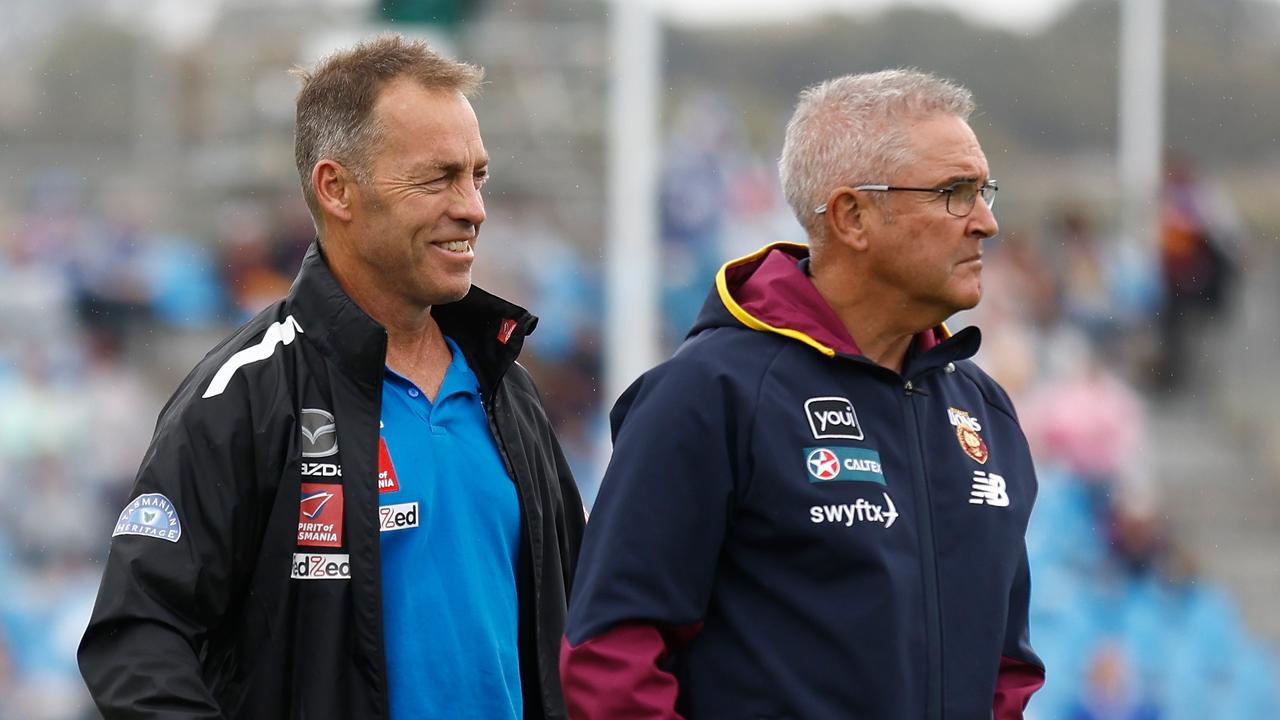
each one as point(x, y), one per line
point(836, 464)
point(150, 515)
point(320, 515)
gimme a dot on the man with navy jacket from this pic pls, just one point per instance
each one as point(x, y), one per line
point(817, 507)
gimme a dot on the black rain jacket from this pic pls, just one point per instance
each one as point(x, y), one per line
point(233, 618)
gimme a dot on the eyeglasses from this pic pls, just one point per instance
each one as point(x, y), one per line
point(961, 196)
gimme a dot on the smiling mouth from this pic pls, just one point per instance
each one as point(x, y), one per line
point(455, 246)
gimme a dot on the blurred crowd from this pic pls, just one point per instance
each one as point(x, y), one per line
point(101, 314)
point(1092, 333)
point(94, 299)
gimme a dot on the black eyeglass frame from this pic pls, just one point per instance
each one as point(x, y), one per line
point(987, 191)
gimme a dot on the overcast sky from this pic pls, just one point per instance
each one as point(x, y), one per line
point(1014, 14)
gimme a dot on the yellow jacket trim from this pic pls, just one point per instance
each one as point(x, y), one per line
point(746, 318)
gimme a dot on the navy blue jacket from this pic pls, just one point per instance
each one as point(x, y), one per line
point(788, 530)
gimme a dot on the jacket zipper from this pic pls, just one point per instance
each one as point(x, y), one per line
point(928, 560)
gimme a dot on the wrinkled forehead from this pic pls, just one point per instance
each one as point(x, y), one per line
point(944, 149)
point(404, 103)
point(418, 124)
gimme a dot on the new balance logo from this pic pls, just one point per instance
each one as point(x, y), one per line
point(988, 488)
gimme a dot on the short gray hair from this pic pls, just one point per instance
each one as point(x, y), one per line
point(851, 130)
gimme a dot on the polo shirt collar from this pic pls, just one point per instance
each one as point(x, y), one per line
point(458, 378)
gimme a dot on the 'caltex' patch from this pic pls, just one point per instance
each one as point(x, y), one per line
point(837, 464)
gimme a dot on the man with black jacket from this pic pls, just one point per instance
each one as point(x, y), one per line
point(354, 507)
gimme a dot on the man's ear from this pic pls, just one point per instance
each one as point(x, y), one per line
point(847, 215)
point(334, 188)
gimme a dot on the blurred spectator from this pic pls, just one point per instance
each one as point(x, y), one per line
point(564, 289)
point(1089, 420)
point(60, 513)
point(1198, 242)
point(1083, 280)
point(114, 394)
point(694, 195)
point(185, 290)
point(34, 287)
point(1018, 305)
point(1022, 283)
point(292, 235)
point(1138, 534)
point(112, 293)
point(252, 276)
point(39, 417)
point(1110, 693)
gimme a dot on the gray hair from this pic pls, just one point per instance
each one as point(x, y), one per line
point(849, 130)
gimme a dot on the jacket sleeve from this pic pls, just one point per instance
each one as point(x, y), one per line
point(161, 598)
point(1021, 672)
point(651, 547)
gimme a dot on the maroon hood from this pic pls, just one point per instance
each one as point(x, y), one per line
point(770, 291)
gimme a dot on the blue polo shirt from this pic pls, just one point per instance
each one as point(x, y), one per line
point(450, 523)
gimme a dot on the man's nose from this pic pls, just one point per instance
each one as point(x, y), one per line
point(468, 205)
point(982, 221)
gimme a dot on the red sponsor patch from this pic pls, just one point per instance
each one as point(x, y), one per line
point(387, 480)
point(507, 327)
point(320, 515)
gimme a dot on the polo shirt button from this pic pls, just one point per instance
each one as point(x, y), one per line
point(413, 392)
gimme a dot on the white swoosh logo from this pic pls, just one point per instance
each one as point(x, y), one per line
point(281, 333)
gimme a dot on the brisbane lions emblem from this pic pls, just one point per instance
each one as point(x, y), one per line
point(967, 429)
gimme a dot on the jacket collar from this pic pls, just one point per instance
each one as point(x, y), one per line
point(770, 291)
point(489, 330)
